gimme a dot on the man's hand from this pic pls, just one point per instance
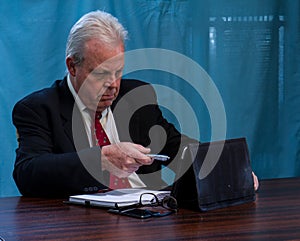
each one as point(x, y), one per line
point(124, 158)
point(256, 183)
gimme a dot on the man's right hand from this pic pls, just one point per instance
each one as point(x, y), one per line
point(124, 158)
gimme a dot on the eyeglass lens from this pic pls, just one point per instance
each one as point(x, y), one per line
point(151, 199)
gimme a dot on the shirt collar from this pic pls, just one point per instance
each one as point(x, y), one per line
point(77, 99)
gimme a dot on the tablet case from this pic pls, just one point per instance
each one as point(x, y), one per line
point(225, 178)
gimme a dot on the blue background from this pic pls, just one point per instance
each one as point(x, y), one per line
point(251, 49)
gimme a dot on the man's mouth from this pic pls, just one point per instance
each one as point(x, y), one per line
point(107, 97)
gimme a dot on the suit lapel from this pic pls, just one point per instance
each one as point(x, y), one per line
point(122, 109)
point(121, 119)
point(71, 117)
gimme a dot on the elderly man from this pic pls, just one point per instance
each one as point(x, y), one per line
point(92, 130)
point(59, 153)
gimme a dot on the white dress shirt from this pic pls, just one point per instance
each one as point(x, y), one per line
point(108, 123)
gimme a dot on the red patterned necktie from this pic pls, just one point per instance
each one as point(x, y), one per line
point(102, 140)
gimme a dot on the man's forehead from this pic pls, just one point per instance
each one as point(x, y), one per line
point(105, 57)
point(115, 62)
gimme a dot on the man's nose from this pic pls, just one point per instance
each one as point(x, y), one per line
point(113, 82)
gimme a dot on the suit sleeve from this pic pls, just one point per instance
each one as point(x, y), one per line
point(41, 167)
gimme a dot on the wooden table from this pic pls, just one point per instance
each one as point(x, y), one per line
point(274, 215)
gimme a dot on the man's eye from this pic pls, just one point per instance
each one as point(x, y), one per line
point(119, 73)
point(101, 75)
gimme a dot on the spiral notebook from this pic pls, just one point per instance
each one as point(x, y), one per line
point(111, 198)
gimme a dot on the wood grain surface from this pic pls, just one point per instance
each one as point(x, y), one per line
point(275, 215)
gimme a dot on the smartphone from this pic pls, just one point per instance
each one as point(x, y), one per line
point(133, 212)
point(159, 157)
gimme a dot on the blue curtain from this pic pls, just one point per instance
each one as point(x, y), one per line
point(250, 49)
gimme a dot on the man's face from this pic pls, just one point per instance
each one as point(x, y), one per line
point(97, 79)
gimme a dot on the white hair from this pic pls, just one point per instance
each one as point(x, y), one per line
point(96, 24)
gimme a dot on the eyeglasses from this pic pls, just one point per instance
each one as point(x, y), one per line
point(168, 203)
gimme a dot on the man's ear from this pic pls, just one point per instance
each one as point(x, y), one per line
point(71, 66)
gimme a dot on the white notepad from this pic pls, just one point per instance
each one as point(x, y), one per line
point(121, 197)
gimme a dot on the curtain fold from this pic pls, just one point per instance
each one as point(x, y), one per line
point(250, 49)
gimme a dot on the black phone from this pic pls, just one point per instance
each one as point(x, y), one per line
point(133, 212)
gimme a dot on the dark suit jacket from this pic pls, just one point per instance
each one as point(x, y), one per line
point(54, 158)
